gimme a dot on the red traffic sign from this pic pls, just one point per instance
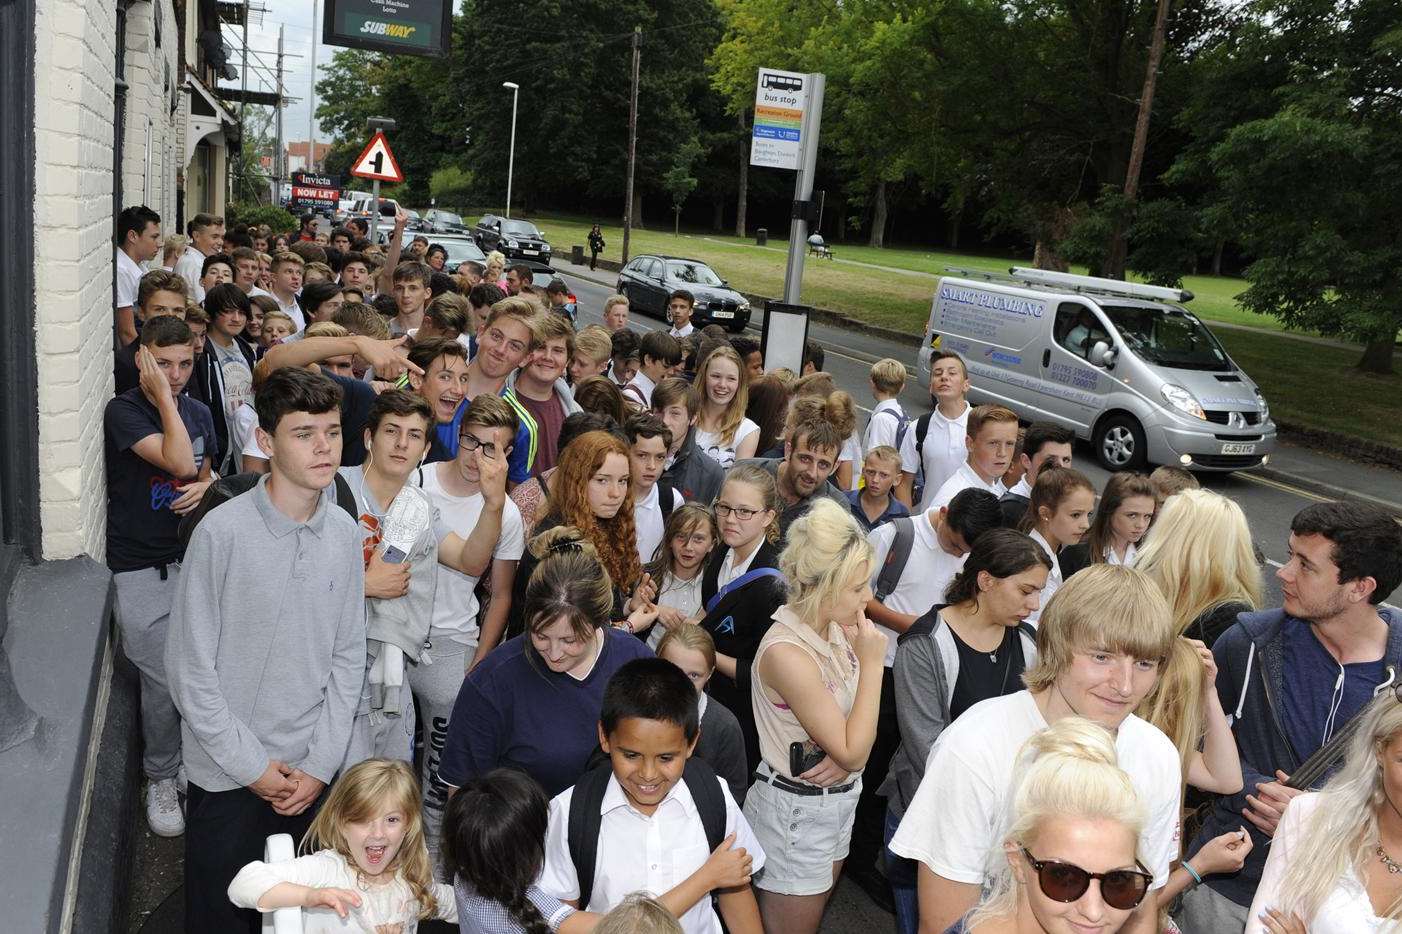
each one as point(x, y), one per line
point(377, 162)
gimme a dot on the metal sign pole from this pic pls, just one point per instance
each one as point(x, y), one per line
point(803, 187)
point(375, 212)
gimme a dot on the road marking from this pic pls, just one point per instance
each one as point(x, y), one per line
point(1283, 487)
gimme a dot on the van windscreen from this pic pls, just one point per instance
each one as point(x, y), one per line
point(1168, 337)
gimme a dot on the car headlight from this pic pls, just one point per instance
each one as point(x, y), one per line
point(1182, 400)
point(743, 306)
point(511, 243)
point(1265, 409)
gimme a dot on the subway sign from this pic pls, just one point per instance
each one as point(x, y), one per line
point(409, 27)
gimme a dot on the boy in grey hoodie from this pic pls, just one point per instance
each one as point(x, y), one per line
point(266, 651)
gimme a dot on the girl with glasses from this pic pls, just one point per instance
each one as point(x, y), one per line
point(1070, 860)
point(741, 588)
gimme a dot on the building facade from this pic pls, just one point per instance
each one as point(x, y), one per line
point(105, 104)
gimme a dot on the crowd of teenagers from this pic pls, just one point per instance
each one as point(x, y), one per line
point(530, 627)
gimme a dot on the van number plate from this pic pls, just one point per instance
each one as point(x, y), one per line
point(1238, 449)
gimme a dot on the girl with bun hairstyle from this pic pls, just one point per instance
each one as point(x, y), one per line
point(534, 702)
point(1070, 860)
point(815, 692)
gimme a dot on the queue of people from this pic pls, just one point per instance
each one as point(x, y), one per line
point(510, 620)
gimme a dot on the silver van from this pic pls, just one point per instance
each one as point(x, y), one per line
point(1125, 366)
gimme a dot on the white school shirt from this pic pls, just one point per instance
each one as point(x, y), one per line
point(729, 570)
point(293, 311)
point(640, 389)
point(129, 274)
point(681, 595)
point(1345, 910)
point(391, 903)
point(647, 516)
point(724, 454)
point(1112, 558)
point(964, 479)
point(927, 574)
point(641, 853)
point(961, 812)
point(687, 331)
point(852, 451)
point(1022, 488)
point(1054, 578)
point(190, 266)
point(454, 599)
point(946, 447)
point(883, 430)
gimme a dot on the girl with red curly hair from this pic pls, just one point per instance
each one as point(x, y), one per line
point(590, 492)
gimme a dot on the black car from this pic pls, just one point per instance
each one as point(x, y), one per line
point(516, 239)
point(440, 221)
point(648, 280)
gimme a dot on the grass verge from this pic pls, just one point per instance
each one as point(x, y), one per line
point(887, 299)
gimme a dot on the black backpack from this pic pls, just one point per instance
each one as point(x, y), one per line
point(664, 499)
point(917, 486)
point(585, 818)
point(226, 488)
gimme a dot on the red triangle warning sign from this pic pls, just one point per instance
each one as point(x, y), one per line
point(377, 162)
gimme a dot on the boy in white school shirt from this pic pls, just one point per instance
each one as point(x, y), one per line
point(942, 538)
point(651, 834)
point(992, 438)
point(1100, 646)
point(935, 443)
point(649, 440)
point(884, 427)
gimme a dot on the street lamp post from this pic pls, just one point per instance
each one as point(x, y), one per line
point(511, 159)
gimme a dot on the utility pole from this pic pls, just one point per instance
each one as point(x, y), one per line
point(280, 157)
point(632, 144)
point(803, 188)
point(243, 109)
point(311, 101)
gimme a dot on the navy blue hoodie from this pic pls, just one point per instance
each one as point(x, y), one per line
point(1251, 685)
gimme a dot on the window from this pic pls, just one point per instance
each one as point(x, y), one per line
point(1078, 328)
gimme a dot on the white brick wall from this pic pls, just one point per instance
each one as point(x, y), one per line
point(74, 63)
point(150, 73)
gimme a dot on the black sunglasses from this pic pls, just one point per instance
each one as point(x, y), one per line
point(1123, 889)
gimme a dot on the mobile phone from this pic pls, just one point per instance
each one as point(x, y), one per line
point(803, 756)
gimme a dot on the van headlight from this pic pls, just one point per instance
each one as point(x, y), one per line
point(1183, 401)
point(1265, 409)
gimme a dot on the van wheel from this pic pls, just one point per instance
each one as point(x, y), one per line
point(1119, 444)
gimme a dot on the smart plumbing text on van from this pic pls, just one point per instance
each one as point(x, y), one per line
point(1023, 307)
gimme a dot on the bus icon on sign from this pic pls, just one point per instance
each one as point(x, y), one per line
point(781, 82)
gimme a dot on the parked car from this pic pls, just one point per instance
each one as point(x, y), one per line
point(1124, 365)
point(440, 221)
point(416, 223)
point(363, 205)
point(648, 280)
point(346, 205)
point(516, 239)
point(460, 247)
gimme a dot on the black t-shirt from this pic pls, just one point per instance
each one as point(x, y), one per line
point(356, 397)
point(983, 675)
point(141, 527)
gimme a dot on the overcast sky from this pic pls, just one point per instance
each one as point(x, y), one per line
point(295, 16)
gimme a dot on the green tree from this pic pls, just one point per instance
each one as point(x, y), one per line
point(679, 182)
point(1303, 140)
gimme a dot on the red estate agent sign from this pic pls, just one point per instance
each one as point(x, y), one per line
point(377, 162)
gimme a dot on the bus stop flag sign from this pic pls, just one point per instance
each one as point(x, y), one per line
point(780, 99)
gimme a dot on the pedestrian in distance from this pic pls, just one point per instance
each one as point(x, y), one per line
point(596, 245)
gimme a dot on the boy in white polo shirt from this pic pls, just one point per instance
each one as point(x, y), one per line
point(992, 438)
point(651, 813)
point(888, 418)
point(935, 444)
point(1100, 646)
point(938, 540)
point(649, 440)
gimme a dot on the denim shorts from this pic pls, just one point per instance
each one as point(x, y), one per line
point(802, 835)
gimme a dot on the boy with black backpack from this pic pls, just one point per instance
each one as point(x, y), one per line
point(888, 422)
point(653, 816)
point(936, 445)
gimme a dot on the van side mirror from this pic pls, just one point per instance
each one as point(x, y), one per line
point(1102, 354)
